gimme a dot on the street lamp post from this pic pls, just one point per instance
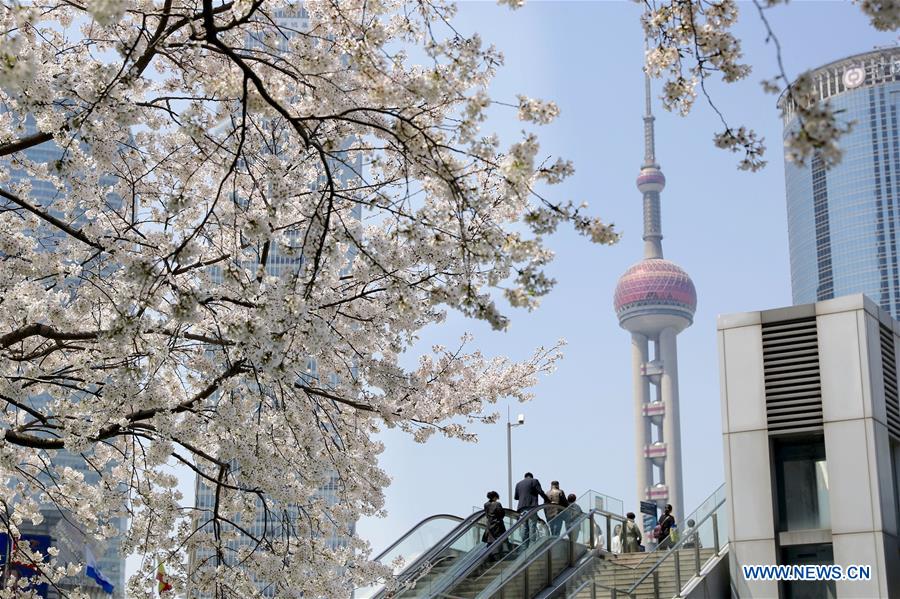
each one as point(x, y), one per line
point(520, 420)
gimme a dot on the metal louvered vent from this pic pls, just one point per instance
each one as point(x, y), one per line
point(889, 368)
point(791, 367)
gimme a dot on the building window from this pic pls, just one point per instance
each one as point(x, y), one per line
point(802, 484)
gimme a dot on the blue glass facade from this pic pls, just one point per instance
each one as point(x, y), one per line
point(844, 223)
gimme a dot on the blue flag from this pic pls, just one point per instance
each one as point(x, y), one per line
point(93, 571)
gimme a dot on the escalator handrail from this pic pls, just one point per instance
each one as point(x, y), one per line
point(461, 529)
point(537, 509)
point(560, 583)
point(576, 570)
point(445, 581)
point(630, 592)
point(412, 530)
point(409, 569)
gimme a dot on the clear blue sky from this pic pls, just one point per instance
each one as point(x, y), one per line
point(726, 228)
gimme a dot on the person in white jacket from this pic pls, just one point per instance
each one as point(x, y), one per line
point(616, 544)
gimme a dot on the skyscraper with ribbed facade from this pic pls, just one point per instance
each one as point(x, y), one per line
point(844, 222)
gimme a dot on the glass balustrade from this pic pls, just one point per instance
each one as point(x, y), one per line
point(412, 545)
point(428, 561)
point(448, 563)
point(538, 558)
point(697, 544)
point(662, 574)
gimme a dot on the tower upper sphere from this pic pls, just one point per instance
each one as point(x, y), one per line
point(651, 179)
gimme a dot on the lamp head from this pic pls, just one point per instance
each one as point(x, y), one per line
point(520, 419)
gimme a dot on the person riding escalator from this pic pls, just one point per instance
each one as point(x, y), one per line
point(494, 525)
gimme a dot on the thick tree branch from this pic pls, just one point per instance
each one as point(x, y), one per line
point(112, 430)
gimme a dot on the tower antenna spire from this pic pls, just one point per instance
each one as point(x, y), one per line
point(649, 134)
point(651, 180)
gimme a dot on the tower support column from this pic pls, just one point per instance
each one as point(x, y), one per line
point(641, 385)
point(671, 422)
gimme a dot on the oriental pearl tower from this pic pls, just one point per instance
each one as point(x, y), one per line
point(655, 300)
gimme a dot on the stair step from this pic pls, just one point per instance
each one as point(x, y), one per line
point(612, 572)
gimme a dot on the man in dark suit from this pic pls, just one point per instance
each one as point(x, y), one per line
point(527, 492)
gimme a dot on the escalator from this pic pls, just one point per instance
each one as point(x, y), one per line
point(536, 561)
point(411, 546)
point(529, 562)
point(428, 550)
point(521, 537)
point(458, 563)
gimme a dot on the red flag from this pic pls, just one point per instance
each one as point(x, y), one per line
point(19, 558)
point(163, 584)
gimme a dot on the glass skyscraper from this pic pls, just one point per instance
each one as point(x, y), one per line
point(844, 222)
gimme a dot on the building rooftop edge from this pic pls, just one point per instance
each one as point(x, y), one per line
point(846, 61)
point(846, 303)
point(855, 58)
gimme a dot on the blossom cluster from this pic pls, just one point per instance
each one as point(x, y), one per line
point(818, 128)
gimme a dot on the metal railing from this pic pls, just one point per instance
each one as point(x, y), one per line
point(692, 540)
point(706, 507)
point(534, 570)
point(465, 562)
point(427, 574)
point(703, 542)
point(536, 567)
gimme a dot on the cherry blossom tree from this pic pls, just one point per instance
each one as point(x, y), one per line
point(199, 200)
point(235, 195)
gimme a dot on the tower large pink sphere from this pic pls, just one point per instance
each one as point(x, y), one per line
point(655, 287)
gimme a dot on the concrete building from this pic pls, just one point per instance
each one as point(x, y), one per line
point(811, 426)
point(654, 301)
point(844, 223)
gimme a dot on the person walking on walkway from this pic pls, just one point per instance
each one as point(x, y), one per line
point(630, 535)
point(557, 502)
point(527, 492)
point(615, 544)
point(665, 528)
point(571, 514)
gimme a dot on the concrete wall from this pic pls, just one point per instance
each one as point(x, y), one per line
point(714, 584)
point(746, 451)
point(864, 521)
